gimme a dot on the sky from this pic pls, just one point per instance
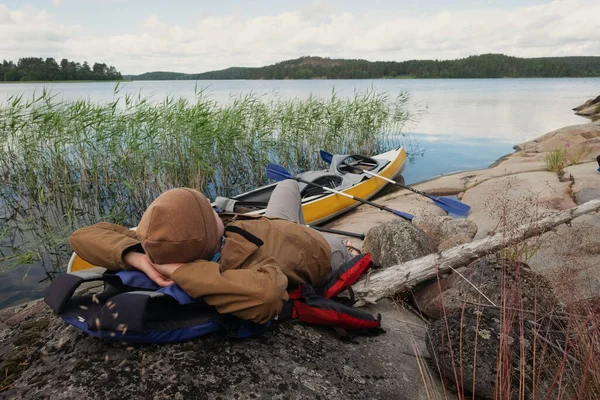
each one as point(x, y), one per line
point(190, 36)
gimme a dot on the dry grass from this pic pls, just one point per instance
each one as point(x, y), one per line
point(540, 352)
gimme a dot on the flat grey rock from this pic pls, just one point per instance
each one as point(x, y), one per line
point(291, 361)
point(588, 193)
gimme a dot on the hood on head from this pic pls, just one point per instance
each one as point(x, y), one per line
point(179, 227)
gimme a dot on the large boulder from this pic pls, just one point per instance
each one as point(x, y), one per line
point(524, 346)
point(41, 357)
point(569, 256)
point(497, 279)
point(503, 354)
point(396, 242)
point(445, 231)
point(365, 217)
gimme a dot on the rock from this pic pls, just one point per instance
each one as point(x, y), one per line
point(578, 137)
point(586, 181)
point(442, 228)
point(41, 357)
point(504, 203)
point(586, 307)
point(395, 242)
point(479, 352)
point(455, 240)
point(587, 103)
point(366, 217)
point(586, 194)
point(589, 109)
point(498, 279)
point(568, 257)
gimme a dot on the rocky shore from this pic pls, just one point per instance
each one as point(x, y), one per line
point(516, 189)
point(444, 336)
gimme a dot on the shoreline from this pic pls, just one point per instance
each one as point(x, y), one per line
point(275, 80)
point(77, 81)
point(524, 172)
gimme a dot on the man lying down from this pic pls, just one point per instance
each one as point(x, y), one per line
point(240, 264)
point(188, 271)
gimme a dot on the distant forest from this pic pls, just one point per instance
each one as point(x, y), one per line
point(482, 66)
point(38, 69)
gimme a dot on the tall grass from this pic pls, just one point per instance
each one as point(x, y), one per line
point(556, 161)
point(68, 164)
point(547, 345)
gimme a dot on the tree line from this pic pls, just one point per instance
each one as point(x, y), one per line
point(38, 69)
point(481, 66)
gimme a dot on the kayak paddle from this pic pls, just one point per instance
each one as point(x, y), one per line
point(447, 204)
point(278, 173)
point(360, 236)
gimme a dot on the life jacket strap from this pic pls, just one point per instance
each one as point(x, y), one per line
point(133, 308)
point(313, 308)
point(345, 276)
point(64, 286)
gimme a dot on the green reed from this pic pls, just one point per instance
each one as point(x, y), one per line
point(68, 164)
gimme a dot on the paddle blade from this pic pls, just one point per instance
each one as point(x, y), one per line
point(278, 173)
point(452, 206)
point(404, 215)
point(325, 156)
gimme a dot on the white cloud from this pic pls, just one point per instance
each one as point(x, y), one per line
point(561, 27)
point(57, 3)
point(30, 32)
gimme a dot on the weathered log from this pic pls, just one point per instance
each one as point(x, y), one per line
point(402, 277)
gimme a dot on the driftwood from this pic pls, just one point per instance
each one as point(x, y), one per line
point(402, 277)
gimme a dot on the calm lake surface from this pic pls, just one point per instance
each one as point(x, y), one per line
point(454, 115)
point(461, 124)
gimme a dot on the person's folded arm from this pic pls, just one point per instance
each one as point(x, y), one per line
point(104, 244)
point(255, 293)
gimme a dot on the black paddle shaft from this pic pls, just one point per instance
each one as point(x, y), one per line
point(395, 183)
point(360, 236)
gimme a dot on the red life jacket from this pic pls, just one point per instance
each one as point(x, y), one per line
point(322, 305)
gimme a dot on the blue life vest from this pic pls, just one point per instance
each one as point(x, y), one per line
point(132, 308)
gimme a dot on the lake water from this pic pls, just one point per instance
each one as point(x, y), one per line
point(462, 124)
point(454, 114)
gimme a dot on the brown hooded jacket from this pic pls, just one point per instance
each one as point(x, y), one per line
point(260, 259)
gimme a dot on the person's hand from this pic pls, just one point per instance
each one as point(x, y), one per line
point(142, 262)
point(167, 269)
